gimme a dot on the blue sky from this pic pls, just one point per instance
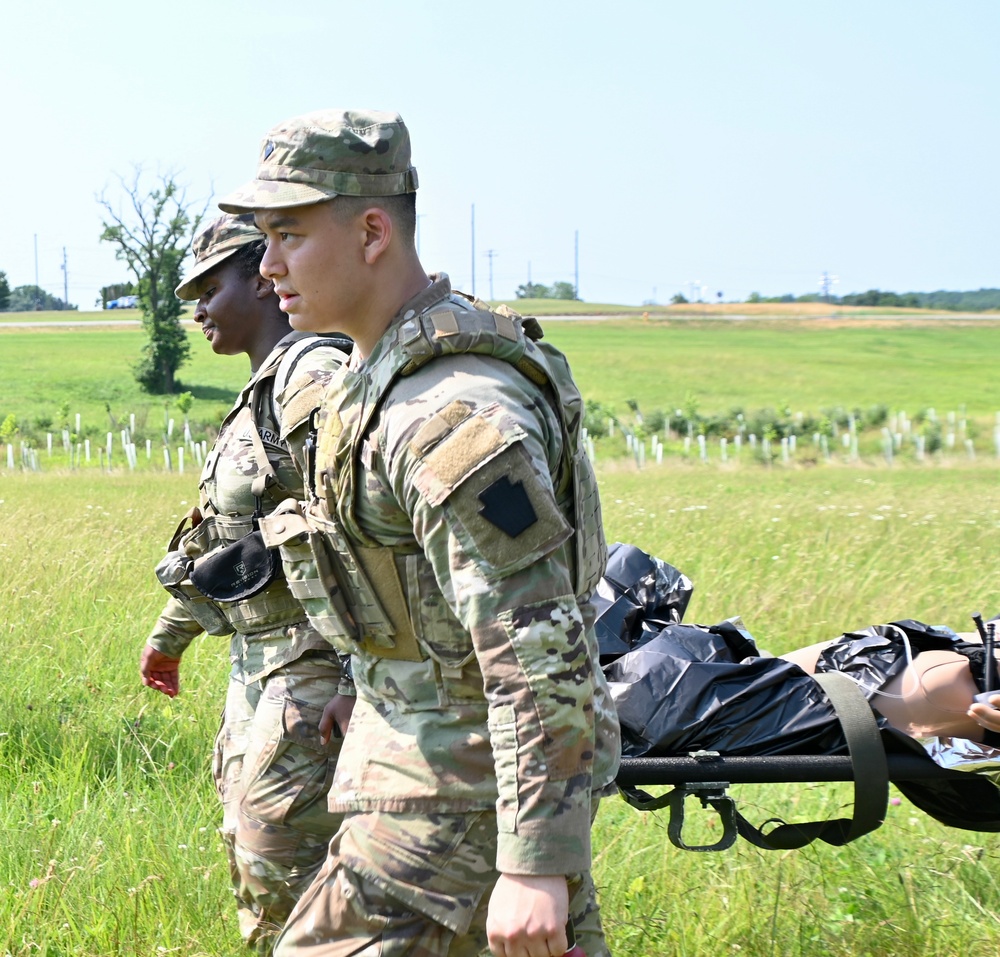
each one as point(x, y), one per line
point(745, 146)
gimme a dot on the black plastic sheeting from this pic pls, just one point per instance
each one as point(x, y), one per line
point(637, 598)
point(686, 687)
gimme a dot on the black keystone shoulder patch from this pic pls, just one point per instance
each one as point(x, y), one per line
point(507, 506)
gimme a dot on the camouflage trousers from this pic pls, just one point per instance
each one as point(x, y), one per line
point(272, 775)
point(407, 885)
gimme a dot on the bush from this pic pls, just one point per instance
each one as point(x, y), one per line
point(656, 420)
point(877, 416)
point(595, 417)
point(931, 431)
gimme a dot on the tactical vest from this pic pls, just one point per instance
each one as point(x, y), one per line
point(274, 606)
point(351, 586)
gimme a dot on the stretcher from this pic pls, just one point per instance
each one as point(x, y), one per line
point(708, 775)
point(705, 686)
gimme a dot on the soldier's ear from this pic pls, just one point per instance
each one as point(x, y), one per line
point(377, 225)
point(262, 287)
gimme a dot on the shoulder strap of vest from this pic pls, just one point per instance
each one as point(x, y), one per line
point(300, 348)
point(253, 394)
point(265, 388)
point(452, 330)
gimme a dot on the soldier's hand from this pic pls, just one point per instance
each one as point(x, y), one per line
point(336, 716)
point(527, 916)
point(987, 715)
point(160, 671)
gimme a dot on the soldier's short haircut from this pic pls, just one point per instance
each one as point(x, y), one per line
point(247, 259)
point(402, 209)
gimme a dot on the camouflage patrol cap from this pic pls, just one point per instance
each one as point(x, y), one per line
point(312, 158)
point(216, 242)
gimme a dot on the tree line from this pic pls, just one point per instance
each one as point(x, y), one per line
point(978, 300)
point(27, 298)
point(536, 290)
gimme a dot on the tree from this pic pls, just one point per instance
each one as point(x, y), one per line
point(4, 291)
point(533, 290)
point(678, 299)
point(152, 239)
point(34, 298)
point(8, 429)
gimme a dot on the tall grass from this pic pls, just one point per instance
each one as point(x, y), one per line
point(108, 813)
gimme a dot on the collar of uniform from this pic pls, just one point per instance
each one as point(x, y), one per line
point(439, 288)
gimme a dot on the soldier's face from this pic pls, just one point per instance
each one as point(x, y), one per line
point(225, 310)
point(314, 260)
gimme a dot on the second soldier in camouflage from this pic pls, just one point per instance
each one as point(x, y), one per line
point(272, 769)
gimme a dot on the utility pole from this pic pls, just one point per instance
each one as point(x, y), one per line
point(826, 282)
point(37, 301)
point(490, 254)
point(576, 264)
point(473, 249)
point(65, 278)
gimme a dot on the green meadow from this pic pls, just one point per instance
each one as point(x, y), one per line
point(807, 367)
point(106, 804)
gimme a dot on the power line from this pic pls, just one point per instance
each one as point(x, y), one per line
point(490, 254)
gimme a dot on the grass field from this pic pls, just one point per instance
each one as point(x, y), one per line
point(107, 808)
point(806, 366)
point(108, 813)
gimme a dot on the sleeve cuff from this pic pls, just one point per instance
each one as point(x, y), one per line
point(545, 847)
point(171, 645)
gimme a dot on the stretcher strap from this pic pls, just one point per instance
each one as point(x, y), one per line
point(870, 769)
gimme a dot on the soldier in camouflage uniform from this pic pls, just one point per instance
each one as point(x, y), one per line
point(272, 768)
point(456, 531)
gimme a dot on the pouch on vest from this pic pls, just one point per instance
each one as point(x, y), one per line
point(172, 574)
point(309, 578)
point(239, 570)
point(334, 587)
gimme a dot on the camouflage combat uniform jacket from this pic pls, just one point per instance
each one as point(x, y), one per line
point(269, 629)
point(451, 467)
